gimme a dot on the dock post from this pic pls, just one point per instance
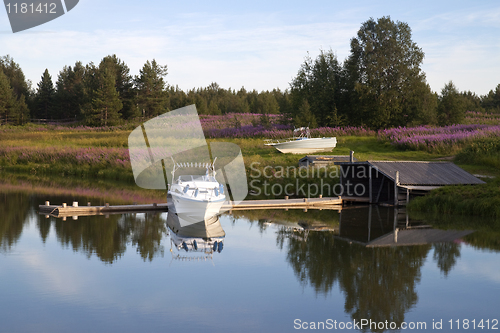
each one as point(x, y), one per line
point(370, 183)
point(396, 183)
point(396, 229)
point(351, 156)
point(369, 223)
point(47, 203)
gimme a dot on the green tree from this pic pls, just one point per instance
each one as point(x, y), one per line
point(18, 112)
point(472, 101)
point(238, 102)
point(44, 98)
point(422, 107)
point(318, 82)
point(213, 108)
point(90, 86)
point(268, 103)
point(16, 77)
point(383, 74)
point(69, 95)
point(7, 99)
point(177, 98)
point(105, 105)
point(491, 102)
point(201, 103)
point(152, 98)
point(304, 117)
point(452, 106)
point(22, 111)
point(124, 84)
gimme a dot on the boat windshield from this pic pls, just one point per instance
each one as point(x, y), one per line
point(189, 178)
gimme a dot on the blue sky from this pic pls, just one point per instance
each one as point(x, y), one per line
point(259, 44)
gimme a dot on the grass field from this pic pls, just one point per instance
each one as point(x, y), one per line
point(96, 159)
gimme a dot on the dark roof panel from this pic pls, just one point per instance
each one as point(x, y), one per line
point(422, 173)
point(426, 173)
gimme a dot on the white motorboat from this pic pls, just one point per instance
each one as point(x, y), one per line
point(196, 197)
point(302, 143)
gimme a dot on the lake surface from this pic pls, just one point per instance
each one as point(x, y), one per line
point(125, 273)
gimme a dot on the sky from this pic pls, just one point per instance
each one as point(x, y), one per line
point(259, 44)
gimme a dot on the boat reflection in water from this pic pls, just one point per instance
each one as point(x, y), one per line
point(194, 240)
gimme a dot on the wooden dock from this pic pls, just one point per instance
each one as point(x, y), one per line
point(305, 203)
point(62, 211)
point(76, 210)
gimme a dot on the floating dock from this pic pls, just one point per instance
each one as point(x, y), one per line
point(65, 210)
point(75, 210)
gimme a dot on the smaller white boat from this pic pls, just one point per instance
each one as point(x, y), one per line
point(302, 143)
point(196, 197)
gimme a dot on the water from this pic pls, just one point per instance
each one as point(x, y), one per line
point(119, 274)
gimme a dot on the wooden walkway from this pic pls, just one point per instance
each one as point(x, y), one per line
point(311, 203)
point(306, 203)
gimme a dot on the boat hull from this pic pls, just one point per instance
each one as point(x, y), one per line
point(306, 146)
point(195, 210)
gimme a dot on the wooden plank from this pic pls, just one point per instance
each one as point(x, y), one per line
point(288, 203)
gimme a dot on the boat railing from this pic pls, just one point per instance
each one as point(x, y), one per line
point(303, 133)
point(210, 167)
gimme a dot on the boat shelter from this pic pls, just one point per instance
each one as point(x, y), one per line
point(322, 160)
point(395, 181)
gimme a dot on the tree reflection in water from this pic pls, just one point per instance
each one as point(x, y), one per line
point(108, 237)
point(446, 255)
point(105, 237)
point(378, 283)
point(15, 208)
